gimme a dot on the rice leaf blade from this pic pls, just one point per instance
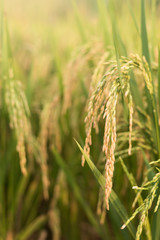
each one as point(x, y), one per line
point(77, 192)
point(144, 37)
point(115, 202)
point(31, 228)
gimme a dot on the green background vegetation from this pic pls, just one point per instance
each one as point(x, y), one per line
point(53, 48)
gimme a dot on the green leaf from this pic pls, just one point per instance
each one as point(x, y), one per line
point(153, 32)
point(133, 16)
point(78, 20)
point(114, 200)
point(144, 37)
point(78, 194)
point(31, 228)
point(151, 99)
point(103, 20)
point(159, 77)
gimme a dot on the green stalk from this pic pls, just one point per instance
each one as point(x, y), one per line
point(144, 37)
point(153, 25)
point(78, 21)
point(77, 193)
point(103, 20)
point(145, 52)
point(133, 16)
point(156, 123)
point(159, 78)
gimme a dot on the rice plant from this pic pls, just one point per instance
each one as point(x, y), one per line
point(79, 96)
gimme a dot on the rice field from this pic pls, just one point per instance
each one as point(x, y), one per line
point(79, 120)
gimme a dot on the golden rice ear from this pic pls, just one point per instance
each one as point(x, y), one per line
point(130, 123)
point(102, 104)
point(109, 143)
point(48, 116)
point(18, 112)
point(136, 62)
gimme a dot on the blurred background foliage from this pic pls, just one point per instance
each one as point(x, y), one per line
point(53, 48)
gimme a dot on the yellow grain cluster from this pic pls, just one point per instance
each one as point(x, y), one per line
point(103, 102)
point(18, 112)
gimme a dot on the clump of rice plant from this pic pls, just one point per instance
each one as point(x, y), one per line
point(48, 130)
point(84, 60)
point(44, 93)
point(19, 112)
point(103, 102)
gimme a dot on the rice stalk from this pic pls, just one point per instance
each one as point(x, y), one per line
point(18, 112)
point(103, 104)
